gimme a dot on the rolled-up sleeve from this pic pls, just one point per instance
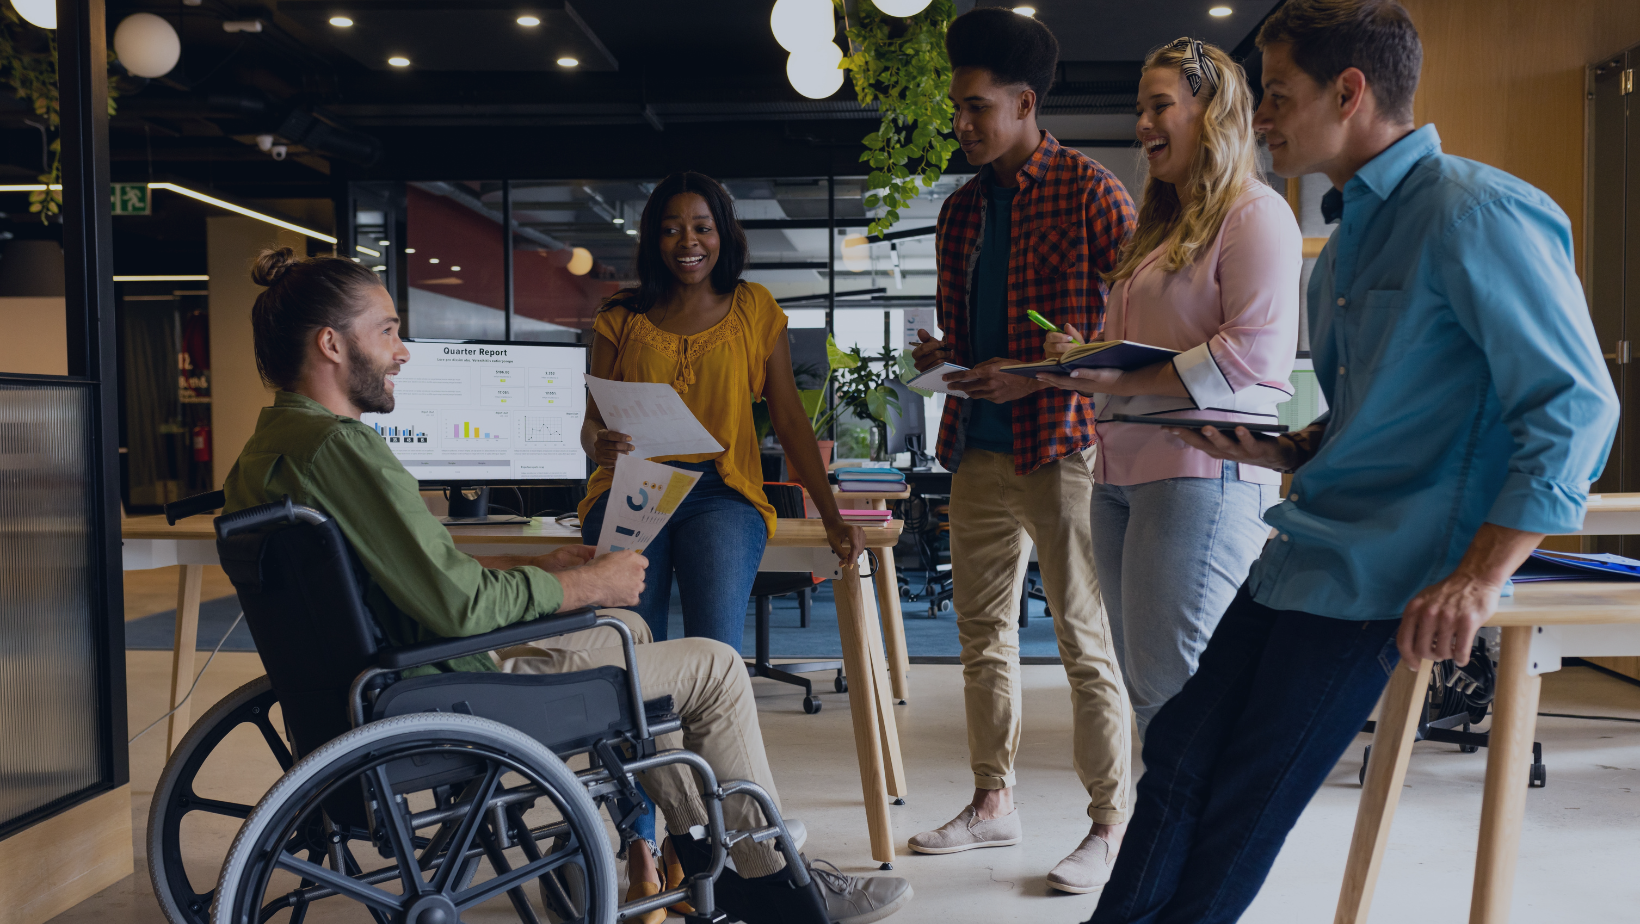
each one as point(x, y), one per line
point(409, 554)
point(1260, 260)
point(1507, 269)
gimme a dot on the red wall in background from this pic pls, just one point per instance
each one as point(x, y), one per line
point(443, 229)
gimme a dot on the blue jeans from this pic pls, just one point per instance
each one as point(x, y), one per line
point(714, 543)
point(1231, 762)
point(1170, 555)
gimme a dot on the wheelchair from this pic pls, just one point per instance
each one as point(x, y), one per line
point(438, 775)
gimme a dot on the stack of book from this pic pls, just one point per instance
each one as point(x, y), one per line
point(870, 479)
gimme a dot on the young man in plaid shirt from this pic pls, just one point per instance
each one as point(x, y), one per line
point(1033, 230)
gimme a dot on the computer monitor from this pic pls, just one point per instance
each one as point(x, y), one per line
point(472, 413)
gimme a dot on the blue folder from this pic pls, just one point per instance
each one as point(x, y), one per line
point(1570, 566)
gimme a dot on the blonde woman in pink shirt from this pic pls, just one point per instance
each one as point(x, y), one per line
point(1212, 270)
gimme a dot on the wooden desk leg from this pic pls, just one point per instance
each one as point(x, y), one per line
point(893, 763)
point(888, 600)
point(182, 652)
point(1508, 762)
point(851, 627)
point(1386, 772)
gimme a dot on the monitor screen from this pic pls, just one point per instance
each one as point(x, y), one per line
point(475, 412)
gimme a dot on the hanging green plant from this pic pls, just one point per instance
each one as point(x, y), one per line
point(28, 64)
point(901, 65)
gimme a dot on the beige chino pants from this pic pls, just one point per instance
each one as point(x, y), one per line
point(711, 692)
point(993, 510)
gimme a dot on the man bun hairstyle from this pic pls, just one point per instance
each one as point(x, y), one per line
point(1375, 36)
point(302, 296)
point(1015, 49)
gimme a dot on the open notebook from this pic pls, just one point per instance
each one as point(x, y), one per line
point(1101, 354)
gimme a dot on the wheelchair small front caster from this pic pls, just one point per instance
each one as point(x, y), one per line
point(811, 704)
point(840, 683)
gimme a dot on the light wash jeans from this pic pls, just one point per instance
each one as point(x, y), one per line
point(1170, 556)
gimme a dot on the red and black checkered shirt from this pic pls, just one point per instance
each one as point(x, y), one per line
point(1069, 219)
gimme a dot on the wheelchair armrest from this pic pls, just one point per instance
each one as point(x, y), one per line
point(444, 649)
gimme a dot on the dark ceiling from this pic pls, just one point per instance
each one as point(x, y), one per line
point(665, 85)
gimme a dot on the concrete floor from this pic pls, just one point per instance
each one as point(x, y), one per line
point(1578, 859)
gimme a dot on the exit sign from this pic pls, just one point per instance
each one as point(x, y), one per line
point(129, 198)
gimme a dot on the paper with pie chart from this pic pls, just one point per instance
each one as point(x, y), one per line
point(643, 496)
point(653, 415)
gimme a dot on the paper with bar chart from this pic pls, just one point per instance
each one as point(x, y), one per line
point(658, 421)
point(642, 497)
point(481, 412)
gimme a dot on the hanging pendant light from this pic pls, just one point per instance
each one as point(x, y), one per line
point(42, 13)
point(799, 24)
point(147, 45)
point(815, 71)
point(901, 7)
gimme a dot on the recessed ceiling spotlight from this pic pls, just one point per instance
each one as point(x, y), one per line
point(341, 22)
point(455, 269)
point(385, 243)
point(432, 259)
point(1219, 11)
point(1025, 10)
point(399, 61)
point(529, 20)
point(632, 231)
point(379, 269)
point(567, 61)
point(409, 250)
point(619, 221)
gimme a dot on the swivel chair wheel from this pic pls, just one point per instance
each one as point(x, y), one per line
point(435, 844)
point(840, 683)
point(177, 796)
point(1468, 748)
point(1539, 777)
point(811, 704)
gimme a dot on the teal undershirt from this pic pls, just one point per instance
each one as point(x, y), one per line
point(990, 425)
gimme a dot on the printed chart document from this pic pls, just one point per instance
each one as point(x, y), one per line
point(658, 421)
point(642, 498)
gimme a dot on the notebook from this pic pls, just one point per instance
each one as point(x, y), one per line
point(1102, 354)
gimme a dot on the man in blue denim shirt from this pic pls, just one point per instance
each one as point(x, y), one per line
point(1470, 409)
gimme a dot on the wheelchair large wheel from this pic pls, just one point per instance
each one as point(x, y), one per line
point(176, 798)
point(437, 832)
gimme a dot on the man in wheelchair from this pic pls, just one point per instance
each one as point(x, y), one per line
point(327, 337)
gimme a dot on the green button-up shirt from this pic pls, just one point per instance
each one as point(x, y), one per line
point(420, 587)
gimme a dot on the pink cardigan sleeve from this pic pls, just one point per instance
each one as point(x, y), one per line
point(1259, 263)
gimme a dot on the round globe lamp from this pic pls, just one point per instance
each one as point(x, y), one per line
point(42, 13)
point(798, 24)
point(856, 254)
point(147, 45)
point(901, 7)
point(580, 261)
point(815, 71)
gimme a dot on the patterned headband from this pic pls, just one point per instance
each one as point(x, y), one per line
point(1197, 66)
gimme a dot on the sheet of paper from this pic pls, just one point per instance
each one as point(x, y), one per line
point(933, 379)
point(916, 318)
point(658, 421)
point(643, 496)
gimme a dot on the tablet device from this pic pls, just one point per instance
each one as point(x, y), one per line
point(1186, 423)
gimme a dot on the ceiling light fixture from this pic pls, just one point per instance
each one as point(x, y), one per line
point(432, 259)
point(163, 278)
point(529, 20)
point(147, 45)
point(567, 61)
point(379, 269)
point(1219, 11)
point(42, 13)
point(901, 8)
point(1025, 10)
point(632, 231)
point(341, 22)
point(580, 261)
point(399, 61)
point(241, 210)
point(363, 249)
point(816, 72)
point(455, 269)
point(385, 243)
point(619, 221)
point(796, 24)
point(409, 250)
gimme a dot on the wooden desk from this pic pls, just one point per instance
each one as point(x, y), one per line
point(887, 582)
point(797, 545)
point(1542, 622)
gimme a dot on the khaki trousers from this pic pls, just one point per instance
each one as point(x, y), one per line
point(993, 510)
point(711, 692)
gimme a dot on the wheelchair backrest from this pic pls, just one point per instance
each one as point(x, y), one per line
point(302, 591)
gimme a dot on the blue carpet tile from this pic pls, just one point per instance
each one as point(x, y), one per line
point(925, 638)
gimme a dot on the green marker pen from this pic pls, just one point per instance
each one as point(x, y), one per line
point(1041, 321)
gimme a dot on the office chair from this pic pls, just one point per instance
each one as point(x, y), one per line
point(787, 500)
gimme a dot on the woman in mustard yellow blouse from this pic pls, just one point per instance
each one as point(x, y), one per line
point(721, 343)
